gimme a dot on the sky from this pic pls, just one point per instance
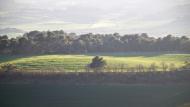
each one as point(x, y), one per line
point(155, 17)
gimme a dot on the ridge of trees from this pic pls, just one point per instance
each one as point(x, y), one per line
point(46, 42)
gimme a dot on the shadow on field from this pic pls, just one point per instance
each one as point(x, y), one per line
point(52, 95)
point(7, 58)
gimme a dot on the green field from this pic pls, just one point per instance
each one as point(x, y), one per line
point(41, 95)
point(78, 62)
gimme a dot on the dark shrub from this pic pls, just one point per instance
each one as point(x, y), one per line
point(8, 67)
point(97, 63)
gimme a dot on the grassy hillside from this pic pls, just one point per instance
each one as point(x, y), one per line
point(78, 62)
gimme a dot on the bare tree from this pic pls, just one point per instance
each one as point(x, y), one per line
point(153, 67)
point(87, 68)
point(140, 68)
point(164, 66)
point(122, 67)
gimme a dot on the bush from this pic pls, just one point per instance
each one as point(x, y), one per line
point(8, 68)
point(172, 67)
point(97, 63)
point(186, 66)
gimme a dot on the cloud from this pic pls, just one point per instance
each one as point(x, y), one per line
point(103, 24)
point(97, 15)
point(7, 4)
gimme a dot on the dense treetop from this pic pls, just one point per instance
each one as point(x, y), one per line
point(45, 42)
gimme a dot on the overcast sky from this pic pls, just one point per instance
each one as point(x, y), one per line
point(156, 17)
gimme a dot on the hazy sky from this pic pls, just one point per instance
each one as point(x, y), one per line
point(156, 17)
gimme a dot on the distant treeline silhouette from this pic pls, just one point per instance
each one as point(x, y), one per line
point(48, 42)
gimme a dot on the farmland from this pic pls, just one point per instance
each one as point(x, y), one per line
point(60, 62)
point(94, 53)
point(112, 89)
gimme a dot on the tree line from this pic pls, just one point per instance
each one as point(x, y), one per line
point(48, 42)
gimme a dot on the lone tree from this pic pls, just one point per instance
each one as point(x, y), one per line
point(97, 63)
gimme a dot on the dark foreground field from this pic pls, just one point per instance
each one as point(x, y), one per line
point(52, 95)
